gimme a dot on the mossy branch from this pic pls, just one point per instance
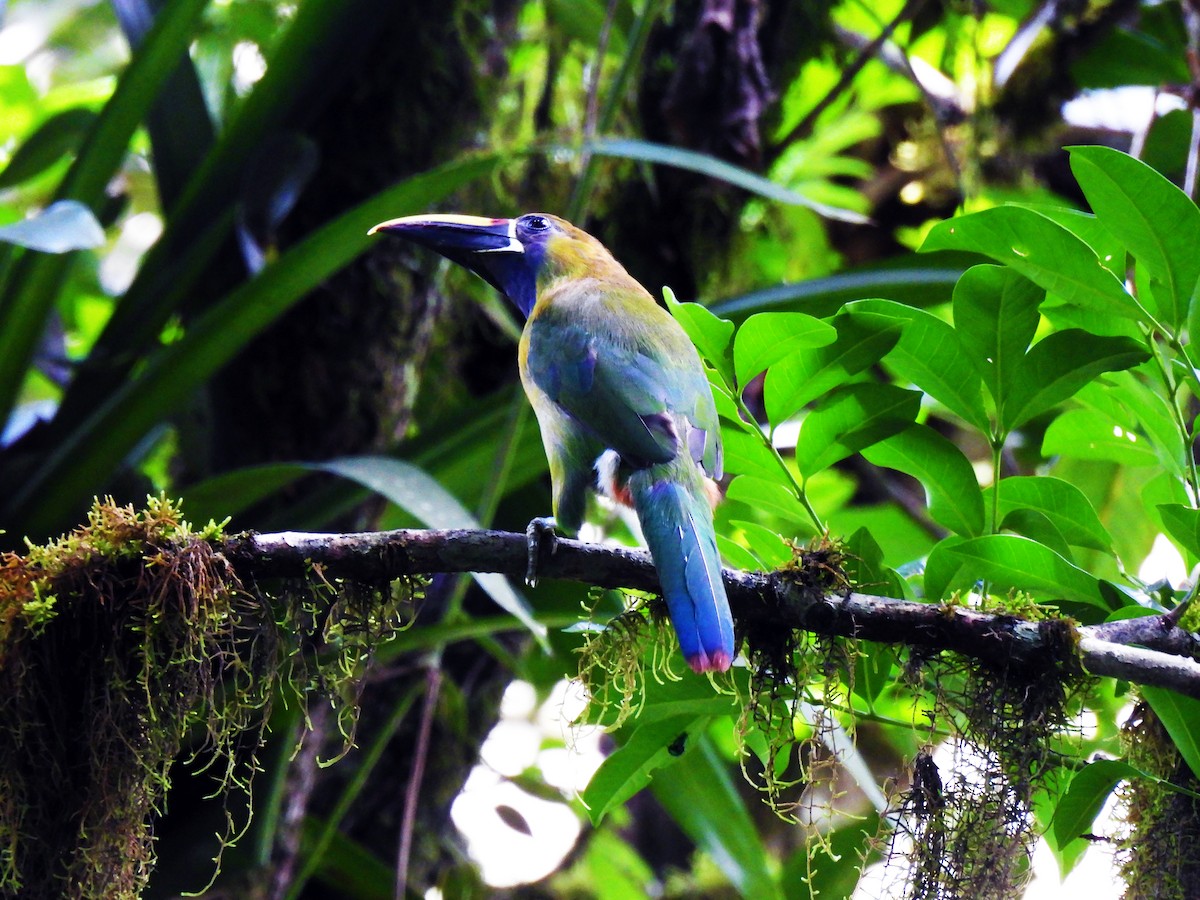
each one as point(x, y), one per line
point(1152, 650)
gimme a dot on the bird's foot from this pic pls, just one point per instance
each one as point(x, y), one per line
point(539, 533)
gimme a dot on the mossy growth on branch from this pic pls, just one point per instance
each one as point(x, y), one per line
point(788, 668)
point(124, 645)
point(616, 659)
point(616, 662)
point(970, 831)
point(1162, 826)
point(966, 830)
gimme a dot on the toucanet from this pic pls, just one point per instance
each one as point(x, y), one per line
point(620, 395)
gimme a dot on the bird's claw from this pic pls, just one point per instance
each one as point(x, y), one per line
point(539, 530)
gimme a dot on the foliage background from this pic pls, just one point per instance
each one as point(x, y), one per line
point(238, 340)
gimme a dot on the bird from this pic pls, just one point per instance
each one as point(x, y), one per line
point(621, 399)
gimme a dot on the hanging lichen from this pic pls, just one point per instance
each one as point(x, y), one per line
point(614, 660)
point(116, 640)
point(1158, 856)
point(968, 828)
point(339, 624)
point(786, 666)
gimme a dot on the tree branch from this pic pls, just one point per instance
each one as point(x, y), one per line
point(776, 600)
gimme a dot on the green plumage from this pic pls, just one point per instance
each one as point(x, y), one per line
point(609, 372)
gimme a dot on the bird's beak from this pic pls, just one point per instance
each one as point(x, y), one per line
point(487, 247)
point(456, 237)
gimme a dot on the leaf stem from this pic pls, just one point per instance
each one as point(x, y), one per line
point(797, 487)
point(997, 461)
point(1172, 387)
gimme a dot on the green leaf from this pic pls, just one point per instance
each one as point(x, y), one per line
point(802, 377)
point(630, 767)
point(466, 440)
point(698, 794)
point(734, 554)
point(855, 417)
point(1038, 527)
point(712, 336)
point(931, 355)
point(823, 297)
point(59, 228)
point(1089, 229)
point(179, 124)
point(1088, 434)
point(903, 541)
point(1180, 716)
point(746, 454)
point(612, 869)
point(1065, 505)
point(723, 399)
point(1045, 253)
point(670, 699)
point(1084, 797)
point(1157, 221)
point(405, 485)
point(57, 136)
point(949, 479)
point(584, 21)
point(1135, 54)
point(768, 496)
point(944, 571)
point(229, 493)
point(356, 871)
point(703, 164)
point(766, 338)
point(35, 282)
point(1012, 561)
point(865, 566)
point(767, 546)
point(996, 316)
point(1183, 524)
point(1063, 316)
point(1155, 419)
point(1059, 365)
point(875, 667)
point(201, 218)
point(833, 870)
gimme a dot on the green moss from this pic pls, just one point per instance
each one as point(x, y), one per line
point(108, 645)
point(971, 827)
point(786, 667)
point(129, 642)
point(613, 661)
point(336, 626)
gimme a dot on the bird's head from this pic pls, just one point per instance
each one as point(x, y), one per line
point(515, 256)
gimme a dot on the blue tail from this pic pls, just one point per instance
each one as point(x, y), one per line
point(676, 520)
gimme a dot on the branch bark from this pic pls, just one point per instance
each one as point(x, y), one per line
point(1151, 650)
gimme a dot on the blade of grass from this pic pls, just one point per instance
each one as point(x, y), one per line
point(64, 482)
point(291, 80)
point(319, 31)
point(36, 278)
point(704, 164)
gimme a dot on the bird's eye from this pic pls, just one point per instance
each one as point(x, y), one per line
point(536, 223)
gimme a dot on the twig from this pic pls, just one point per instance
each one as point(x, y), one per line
point(775, 600)
point(577, 206)
point(911, 8)
point(1191, 22)
point(412, 794)
point(938, 92)
point(303, 779)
